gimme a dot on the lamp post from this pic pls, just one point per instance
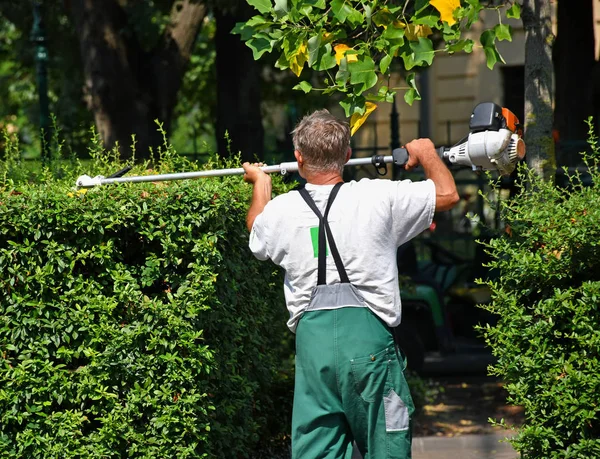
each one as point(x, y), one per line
point(395, 133)
point(38, 37)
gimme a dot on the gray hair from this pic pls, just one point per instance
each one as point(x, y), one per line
point(323, 140)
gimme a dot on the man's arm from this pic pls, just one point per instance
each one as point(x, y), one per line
point(422, 151)
point(261, 194)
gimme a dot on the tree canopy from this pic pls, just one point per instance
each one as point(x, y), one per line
point(354, 44)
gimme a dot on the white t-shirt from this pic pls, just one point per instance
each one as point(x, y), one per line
point(369, 220)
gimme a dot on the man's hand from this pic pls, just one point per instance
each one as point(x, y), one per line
point(254, 173)
point(261, 194)
point(419, 151)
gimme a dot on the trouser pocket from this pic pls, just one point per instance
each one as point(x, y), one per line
point(370, 375)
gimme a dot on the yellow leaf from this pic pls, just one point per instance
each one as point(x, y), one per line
point(298, 59)
point(356, 121)
point(340, 52)
point(414, 31)
point(446, 8)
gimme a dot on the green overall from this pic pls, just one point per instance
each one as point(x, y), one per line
point(350, 384)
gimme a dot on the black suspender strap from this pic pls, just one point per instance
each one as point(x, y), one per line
point(324, 228)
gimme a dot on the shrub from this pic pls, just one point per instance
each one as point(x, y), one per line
point(547, 297)
point(135, 322)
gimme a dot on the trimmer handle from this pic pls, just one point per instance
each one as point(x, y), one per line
point(121, 173)
point(401, 155)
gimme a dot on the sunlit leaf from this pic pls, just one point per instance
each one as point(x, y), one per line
point(325, 58)
point(340, 52)
point(503, 32)
point(357, 120)
point(362, 74)
point(344, 12)
point(446, 9)
point(259, 45)
point(514, 11)
point(422, 54)
point(303, 86)
point(298, 59)
point(264, 6)
point(415, 31)
point(316, 3)
point(281, 7)
point(394, 31)
point(385, 62)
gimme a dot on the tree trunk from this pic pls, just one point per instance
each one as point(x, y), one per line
point(574, 63)
point(126, 87)
point(537, 21)
point(238, 91)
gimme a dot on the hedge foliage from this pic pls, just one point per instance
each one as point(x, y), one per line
point(134, 322)
point(547, 297)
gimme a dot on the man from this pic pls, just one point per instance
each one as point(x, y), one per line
point(337, 243)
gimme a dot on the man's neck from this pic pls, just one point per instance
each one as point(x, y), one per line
point(327, 178)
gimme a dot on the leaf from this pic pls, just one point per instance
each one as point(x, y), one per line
point(488, 41)
point(314, 44)
point(368, 13)
point(427, 17)
point(362, 74)
point(342, 75)
point(303, 86)
point(446, 9)
point(245, 31)
point(514, 11)
point(340, 52)
point(325, 58)
point(353, 104)
point(472, 12)
point(340, 10)
point(343, 11)
point(412, 93)
point(422, 54)
point(259, 45)
point(357, 120)
point(503, 32)
point(383, 18)
point(264, 6)
point(461, 45)
point(395, 31)
point(316, 3)
point(298, 59)
point(415, 31)
point(281, 8)
point(385, 62)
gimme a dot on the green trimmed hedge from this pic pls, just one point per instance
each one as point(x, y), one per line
point(547, 298)
point(134, 321)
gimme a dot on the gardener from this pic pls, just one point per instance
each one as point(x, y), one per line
point(337, 243)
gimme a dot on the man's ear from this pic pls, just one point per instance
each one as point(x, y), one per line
point(348, 155)
point(299, 158)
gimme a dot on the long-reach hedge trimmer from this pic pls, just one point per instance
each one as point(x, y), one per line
point(494, 143)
